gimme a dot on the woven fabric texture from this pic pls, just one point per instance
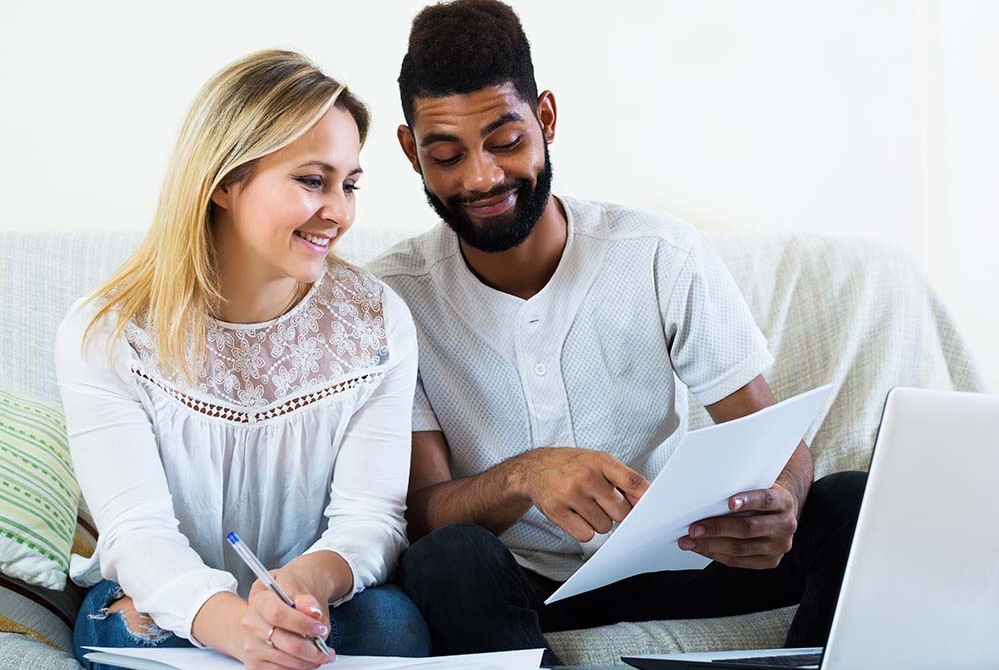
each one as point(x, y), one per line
point(18, 652)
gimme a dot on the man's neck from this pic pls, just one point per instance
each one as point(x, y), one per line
point(525, 269)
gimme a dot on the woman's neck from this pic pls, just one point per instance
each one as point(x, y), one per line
point(256, 302)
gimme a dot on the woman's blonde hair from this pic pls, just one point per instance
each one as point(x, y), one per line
point(251, 108)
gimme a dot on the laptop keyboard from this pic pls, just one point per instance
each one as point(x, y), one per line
point(784, 661)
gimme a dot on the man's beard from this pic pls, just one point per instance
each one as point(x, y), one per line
point(505, 231)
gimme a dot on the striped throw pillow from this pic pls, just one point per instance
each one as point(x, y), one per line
point(39, 495)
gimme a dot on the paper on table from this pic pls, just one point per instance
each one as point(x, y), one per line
point(708, 467)
point(207, 659)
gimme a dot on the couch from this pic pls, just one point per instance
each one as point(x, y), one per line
point(854, 312)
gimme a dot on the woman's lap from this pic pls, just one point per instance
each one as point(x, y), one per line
point(99, 626)
point(379, 621)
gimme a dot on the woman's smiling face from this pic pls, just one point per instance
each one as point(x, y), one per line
point(281, 222)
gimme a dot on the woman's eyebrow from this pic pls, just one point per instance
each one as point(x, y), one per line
point(326, 167)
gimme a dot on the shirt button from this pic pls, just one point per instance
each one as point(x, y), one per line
point(540, 369)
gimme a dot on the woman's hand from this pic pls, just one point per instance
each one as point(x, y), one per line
point(276, 635)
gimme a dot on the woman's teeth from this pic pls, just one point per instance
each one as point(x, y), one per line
point(318, 240)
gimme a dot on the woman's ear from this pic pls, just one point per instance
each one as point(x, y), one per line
point(222, 196)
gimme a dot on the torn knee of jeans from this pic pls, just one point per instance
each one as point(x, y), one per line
point(141, 627)
point(113, 596)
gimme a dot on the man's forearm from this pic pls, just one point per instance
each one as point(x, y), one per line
point(494, 499)
point(797, 475)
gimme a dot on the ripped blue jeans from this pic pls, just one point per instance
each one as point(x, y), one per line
point(98, 626)
point(379, 621)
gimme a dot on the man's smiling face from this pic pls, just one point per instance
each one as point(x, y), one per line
point(484, 161)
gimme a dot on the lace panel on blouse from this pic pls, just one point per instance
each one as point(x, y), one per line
point(327, 344)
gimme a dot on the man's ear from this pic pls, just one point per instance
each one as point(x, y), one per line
point(408, 143)
point(547, 114)
point(222, 196)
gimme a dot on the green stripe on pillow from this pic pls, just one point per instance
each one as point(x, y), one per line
point(47, 454)
point(21, 480)
point(38, 493)
point(24, 483)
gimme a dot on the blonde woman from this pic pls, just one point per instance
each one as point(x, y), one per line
point(234, 376)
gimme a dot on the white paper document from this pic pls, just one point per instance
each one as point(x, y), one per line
point(708, 467)
point(207, 659)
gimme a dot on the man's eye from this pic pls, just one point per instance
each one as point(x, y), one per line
point(509, 145)
point(446, 161)
point(313, 183)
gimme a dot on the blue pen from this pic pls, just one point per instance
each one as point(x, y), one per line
point(263, 575)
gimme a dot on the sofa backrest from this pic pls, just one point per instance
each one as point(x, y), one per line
point(42, 274)
point(856, 313)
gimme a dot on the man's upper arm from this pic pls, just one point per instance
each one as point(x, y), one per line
point(430, 460)
point(716, 347)
point(752, 397)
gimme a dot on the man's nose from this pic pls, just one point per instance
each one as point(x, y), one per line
point(481, 174)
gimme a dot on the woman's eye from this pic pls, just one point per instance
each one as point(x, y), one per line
point(311, 182)
point(350, 187)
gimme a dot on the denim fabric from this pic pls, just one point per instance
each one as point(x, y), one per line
point(97, 626)
point(379, 621)
point(475, 597)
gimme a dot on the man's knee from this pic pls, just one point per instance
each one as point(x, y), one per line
point(840, 493)
point(449, 555)
point(830, 514)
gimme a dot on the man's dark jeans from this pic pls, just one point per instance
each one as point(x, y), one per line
point(475, 597)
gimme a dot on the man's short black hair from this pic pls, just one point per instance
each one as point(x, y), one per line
point(462, 47)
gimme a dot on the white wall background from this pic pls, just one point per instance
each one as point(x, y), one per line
point(856, 117)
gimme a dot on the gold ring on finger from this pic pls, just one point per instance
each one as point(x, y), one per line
point(268, 641)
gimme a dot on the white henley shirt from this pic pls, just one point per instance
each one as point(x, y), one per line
point(638, 308)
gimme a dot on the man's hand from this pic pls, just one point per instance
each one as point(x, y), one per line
point(756, 536)
point(582, 491)
point(762, 525)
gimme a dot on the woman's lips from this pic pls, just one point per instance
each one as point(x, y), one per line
point(317, 243)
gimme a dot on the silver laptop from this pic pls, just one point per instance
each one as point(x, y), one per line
point(921, 588)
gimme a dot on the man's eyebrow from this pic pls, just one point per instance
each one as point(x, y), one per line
point(326, 167)
point(508, 117)
point(433, 138)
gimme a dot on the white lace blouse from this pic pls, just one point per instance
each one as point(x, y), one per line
point(295, 434)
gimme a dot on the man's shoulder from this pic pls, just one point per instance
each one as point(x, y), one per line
point(414, 257)
point(614, 222)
